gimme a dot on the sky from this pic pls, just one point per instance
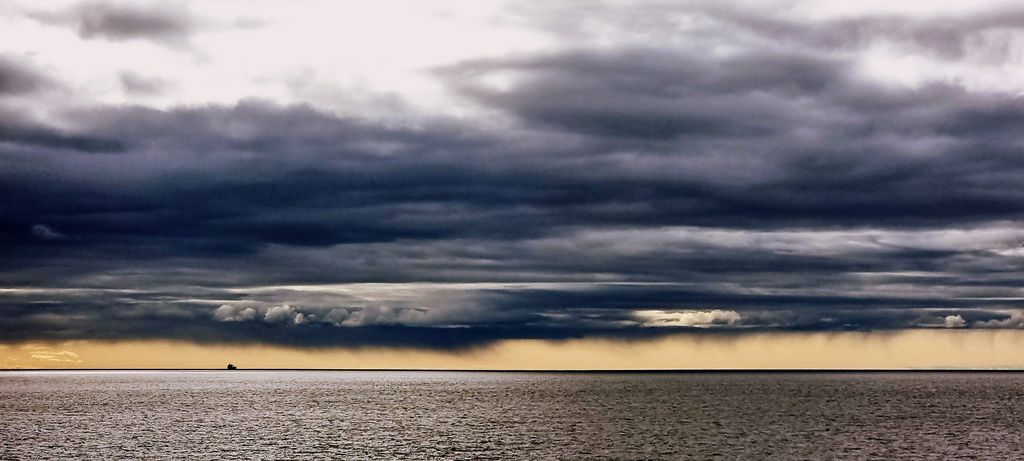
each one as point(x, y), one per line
point(512, 184)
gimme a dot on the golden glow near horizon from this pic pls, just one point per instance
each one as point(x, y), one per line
point(850, 350)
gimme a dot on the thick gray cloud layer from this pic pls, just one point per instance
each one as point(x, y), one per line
point(18, 77)
point(630, 190)
point(165, 23)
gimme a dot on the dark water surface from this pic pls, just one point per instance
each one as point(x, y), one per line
point(456, 415)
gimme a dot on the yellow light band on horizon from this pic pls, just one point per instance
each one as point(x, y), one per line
point(849, 350)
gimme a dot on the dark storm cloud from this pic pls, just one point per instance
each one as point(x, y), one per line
point(19, 78)
point(135, 315)
point(168, 23)
point(229, 196)
point(42, 136)
point(634, 191)
point(517, 313)
point(803, 138)
point(654, 94)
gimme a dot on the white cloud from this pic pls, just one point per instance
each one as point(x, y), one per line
point(1015, 319)
point(302, 318)
point(229, 313)
point(337, 316)
point(691, 318)
point(280, 314)
point(954, 321)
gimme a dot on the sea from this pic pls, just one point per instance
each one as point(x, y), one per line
point(420, 415)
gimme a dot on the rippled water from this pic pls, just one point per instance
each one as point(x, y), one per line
point(428, 415)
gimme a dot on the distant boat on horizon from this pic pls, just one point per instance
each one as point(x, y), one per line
point(232, 366)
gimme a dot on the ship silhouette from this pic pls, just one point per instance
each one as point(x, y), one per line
point(232, 366)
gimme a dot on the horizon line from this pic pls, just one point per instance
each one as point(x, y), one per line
point(566, 370)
